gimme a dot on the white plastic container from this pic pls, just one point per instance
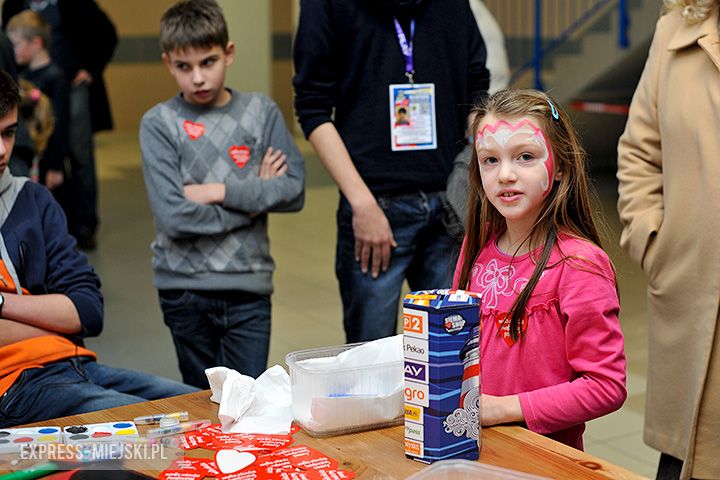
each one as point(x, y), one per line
point(469, 470)
point(336, 401)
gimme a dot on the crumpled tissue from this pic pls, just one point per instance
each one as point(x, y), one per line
point(248, 405)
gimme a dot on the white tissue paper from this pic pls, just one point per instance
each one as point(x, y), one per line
point(248, 405)
point(360, 387)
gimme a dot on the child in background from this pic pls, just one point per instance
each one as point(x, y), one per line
point(215, 162)
point(30, 36)
point(552, 348)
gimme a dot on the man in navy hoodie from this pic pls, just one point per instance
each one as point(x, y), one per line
point(360, 66)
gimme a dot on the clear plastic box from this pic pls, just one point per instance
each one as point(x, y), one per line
point(467, 470)
point(344, 400)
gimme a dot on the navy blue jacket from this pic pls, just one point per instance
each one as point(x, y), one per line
point(45, 257)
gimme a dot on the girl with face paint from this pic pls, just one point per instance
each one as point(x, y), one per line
point(552, 349)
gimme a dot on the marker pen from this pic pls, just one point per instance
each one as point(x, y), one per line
point(150, 419)
point(179, 428)
point(32, 472)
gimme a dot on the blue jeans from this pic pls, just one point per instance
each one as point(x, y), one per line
point(423, 256)
point(79, 385)
point(212, 329)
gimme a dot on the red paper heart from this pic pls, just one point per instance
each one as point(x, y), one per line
point(180, 475)
point(503, 325)
point(240, 154)
point(303, 456)
point(194, 130)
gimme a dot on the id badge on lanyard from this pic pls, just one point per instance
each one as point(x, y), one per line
point(413, 124)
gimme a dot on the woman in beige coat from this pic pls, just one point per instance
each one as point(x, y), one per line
point(669, 174)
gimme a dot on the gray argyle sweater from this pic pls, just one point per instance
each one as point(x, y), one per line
point(216, 247)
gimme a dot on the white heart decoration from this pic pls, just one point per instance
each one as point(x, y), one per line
point(230, 461)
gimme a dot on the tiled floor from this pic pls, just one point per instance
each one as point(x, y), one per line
point(306, 305)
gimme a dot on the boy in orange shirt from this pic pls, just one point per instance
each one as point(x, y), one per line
point(49, 301)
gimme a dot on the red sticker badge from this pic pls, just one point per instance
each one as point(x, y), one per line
point(194, 130)
point(240, 154)
point(502, 322)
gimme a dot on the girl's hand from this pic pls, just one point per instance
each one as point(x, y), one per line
point(273, 164)
point(496, 410)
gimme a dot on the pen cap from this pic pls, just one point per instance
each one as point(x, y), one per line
point(169, 421)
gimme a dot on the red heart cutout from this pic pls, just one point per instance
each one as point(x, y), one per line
point(194, 130)
point(502, 322)
point(240, 154)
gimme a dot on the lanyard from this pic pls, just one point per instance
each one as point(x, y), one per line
point(406, 47)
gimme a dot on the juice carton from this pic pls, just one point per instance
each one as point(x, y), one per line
point(442, 375)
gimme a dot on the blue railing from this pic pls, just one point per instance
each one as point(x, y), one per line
point(539, 27)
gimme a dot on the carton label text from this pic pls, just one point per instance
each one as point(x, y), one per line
point(414, 448)
point(416, 371)
point(414, 431)
point(415, 323)
point(416, 393)
point(415, 349)
point(413, 413)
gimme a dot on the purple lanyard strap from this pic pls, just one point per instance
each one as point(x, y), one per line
point(406, 47)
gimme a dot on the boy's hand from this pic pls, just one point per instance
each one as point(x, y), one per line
point(54, 178)
point(206, 193)
point(273, 164)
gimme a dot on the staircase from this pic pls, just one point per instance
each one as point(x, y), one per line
point(582, 37)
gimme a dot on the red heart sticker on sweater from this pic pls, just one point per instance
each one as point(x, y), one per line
point(240, 154)
point(194, 130)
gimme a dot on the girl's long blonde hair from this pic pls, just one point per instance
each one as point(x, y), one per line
point(567, 207)
point(693, 11)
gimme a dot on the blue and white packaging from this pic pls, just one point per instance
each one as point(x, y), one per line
point(442, 375)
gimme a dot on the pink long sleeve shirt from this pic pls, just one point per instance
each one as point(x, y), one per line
point(569, 366)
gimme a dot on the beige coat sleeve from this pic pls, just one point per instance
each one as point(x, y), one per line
point(640, 173)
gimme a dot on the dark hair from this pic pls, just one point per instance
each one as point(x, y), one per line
point(193, 23)
point(9, 94)
point(567, 208)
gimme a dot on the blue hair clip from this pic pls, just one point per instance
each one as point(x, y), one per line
point(553, 111)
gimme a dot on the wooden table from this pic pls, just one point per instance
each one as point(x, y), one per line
point(380, 453)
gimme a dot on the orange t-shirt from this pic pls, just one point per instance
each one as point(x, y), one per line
point(32, 352)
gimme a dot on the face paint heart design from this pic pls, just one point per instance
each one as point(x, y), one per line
point(240, 154)
point(194, 130)
point(230, 461)
point(498, 135)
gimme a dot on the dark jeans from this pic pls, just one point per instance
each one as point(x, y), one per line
point(79, 195)
point(79, 385)
point(212, 329)
point(669, 467)
point(423, 256)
